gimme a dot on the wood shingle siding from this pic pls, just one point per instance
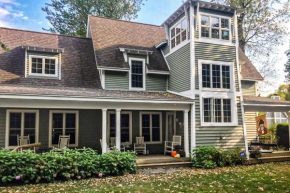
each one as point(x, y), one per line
point(179, 62)
point(225, 137)
point(215, 52)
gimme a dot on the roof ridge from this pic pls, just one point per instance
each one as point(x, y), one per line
point(159, 26)
point(46, 33)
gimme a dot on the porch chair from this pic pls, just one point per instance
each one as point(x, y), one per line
point(63, 142)
point(170, 145)
point(140, 146)
point(24, 140)
point(108, 148)
point(112, 142)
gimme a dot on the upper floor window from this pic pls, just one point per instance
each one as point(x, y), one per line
point(216, 76)
point(137, 74)
point(215, 27)
point(43, 66)
point(178, 33)
point(217, 110)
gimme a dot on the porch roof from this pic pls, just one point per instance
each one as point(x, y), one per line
point(253, 103)
point(72, 92)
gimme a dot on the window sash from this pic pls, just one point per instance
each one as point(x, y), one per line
point(125, 129)
point(43, 67)
point(178, 33)
point(216, 76)
point(211, 28)
point(137, 74)
point(147, 130)
point(217, 110)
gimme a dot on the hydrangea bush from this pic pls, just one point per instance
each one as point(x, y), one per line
point(210, 157)
point(29, 167)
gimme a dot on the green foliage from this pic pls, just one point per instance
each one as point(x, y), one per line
point(29, 167)
point(283, 92)
point(210, 157)
point(287, 68)
point(4, 46)
point(70, 17)
point(283, 135)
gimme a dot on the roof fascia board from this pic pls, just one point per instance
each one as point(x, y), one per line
point(42, 49)
point(249, 79)
point(158, 72)
point(265, 104)
point(113, 69)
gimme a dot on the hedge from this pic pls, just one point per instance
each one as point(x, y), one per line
point(283, 135)
point(28, 167)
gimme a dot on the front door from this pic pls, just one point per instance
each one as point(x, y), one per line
point(170, 125)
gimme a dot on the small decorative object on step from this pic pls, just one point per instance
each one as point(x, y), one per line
point(173, 153)
point(177, 156)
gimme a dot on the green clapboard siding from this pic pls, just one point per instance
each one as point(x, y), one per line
point(214, 52)
point(179, 62)
point(116, 80)
point(166, 49)
point(248, 88)
point(155, 82)
point(225, 137)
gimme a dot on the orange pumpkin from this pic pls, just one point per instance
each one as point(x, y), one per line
point(173, 153)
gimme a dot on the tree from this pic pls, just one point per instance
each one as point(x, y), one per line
point(262, 25)
point(70, 16)
point(283, 91)
point(287, 66)
point(3, 46)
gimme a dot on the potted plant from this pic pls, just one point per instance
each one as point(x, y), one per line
point(256, 152)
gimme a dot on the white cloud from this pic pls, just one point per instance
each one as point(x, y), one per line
point(12, 2)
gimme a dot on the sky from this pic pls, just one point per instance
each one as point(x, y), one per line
point(27, 14)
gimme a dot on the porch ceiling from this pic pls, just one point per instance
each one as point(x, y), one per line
point(263, 104)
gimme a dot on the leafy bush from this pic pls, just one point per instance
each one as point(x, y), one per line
point(283, 135)
point(210, 157)
point(71, 164)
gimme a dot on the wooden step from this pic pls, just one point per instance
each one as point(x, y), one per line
point(155, 160)
point(274, 159)
point(165, 165)
point(276, 154)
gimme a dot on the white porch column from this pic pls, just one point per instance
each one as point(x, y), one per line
point(118, 129)
point(193, 134)
point(104, 131)
point(186, 144)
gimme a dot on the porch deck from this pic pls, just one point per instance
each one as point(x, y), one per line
point(155, 161)
point(276, 156)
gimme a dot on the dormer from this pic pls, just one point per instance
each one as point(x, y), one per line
point(42, 62)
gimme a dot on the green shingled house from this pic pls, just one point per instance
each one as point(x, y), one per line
point(186, 77)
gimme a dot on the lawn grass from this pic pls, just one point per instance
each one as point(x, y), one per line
point(272, 177)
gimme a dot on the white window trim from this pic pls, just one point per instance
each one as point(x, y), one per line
point(43, 66)
point(130, 74)
point(50, 145)
point(130, 124)
point(140, 122)
point(214, 40)
point(22, 124)
point(232, 79)
point(182, 43)
point(216, 95)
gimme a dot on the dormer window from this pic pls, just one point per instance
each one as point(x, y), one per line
point(215, 27)
point(137, 74)
point(43, 66)
point(178, 33)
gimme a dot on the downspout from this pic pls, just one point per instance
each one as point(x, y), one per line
point(240, 87)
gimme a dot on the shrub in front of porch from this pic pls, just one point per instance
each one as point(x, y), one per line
point(283, 135)
point(29, 167)
point(210, 157)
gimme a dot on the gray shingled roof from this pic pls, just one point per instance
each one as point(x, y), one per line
point(88, 93)
point(264, 100)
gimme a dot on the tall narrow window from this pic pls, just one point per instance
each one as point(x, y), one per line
point(21, 123)
point(125, 126)
point(137, 74)
point(151, 127)
point(215, 27)
point(216, 76)
point(217, 110)
point(64, 123)
point(178, 33)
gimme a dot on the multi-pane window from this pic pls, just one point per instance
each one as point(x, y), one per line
point(64, 123)
point(217, 110)
point(216, 76)
point(215, 27)
point(125, 126)
point(137, 74)
point(178, 33)
point(21, 123)
point(151, 127)
point(43, 66)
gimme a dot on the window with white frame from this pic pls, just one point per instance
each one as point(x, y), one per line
point(151, 126)
point(215, 27)
point(21, 123)
point(137, 74)
point(126, 126)
point(63, 123)
point(43, 66)
point(216, 110)
point(178, 33)
point(216, 76)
